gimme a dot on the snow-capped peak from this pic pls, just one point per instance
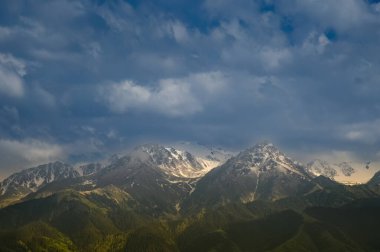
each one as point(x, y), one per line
point(320, 167)
point(178, 163)
point(343, 172)
point(265, 156)
point(33, 178)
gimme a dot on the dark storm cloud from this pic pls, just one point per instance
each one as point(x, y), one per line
point(88, 77)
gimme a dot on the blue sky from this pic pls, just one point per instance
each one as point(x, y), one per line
point(79, 78)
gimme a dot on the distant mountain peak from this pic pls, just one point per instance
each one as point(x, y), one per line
point(321, 167)
point(264, 149)
point(266, 156)
point(260, 172)
point(336, 171)
point(174, 162)
point(33, 178)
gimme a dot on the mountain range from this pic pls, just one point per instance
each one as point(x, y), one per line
point(158, 198)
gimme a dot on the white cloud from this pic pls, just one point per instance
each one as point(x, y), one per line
point(15, 155)
point(126, 95)
point(341, 14)
point(118, 20)
point(290, 79)
point(11, 72)
point(10, 83)
point(13, 64)
point(178, 31)
point(365, 132)
point(175, 98)
point(273, 58)
point(255, 44)
point(315, 43)
point(172, 96)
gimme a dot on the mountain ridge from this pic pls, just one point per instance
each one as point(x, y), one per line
point(177, 167)
point(164, 199)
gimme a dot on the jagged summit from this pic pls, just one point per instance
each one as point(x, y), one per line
point(168, 156)
point(261, 172)
point(342, 172)
point(266, 156)
point(261, 150)
point(321, 167)
point(174, 162)
point(33, 178)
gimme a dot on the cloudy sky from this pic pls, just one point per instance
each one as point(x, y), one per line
point(79, 78)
